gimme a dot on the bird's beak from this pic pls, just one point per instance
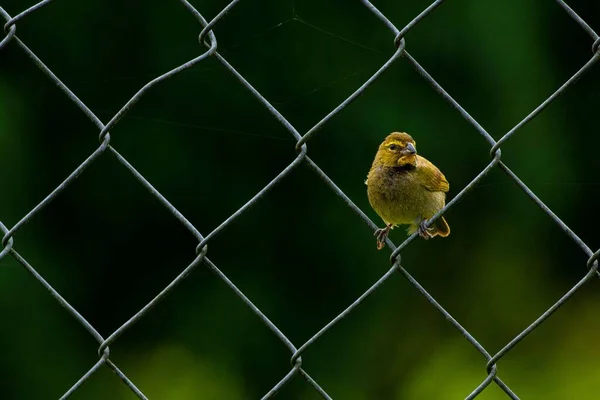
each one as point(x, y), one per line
point(410, 149)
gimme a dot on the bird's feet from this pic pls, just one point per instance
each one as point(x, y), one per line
point(381, 234)
point(424, 231)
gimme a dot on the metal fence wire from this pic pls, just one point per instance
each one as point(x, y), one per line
point(208, 39)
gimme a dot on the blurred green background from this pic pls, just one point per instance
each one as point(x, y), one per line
point(300, 254)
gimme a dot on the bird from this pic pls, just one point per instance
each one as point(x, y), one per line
point(406, 189)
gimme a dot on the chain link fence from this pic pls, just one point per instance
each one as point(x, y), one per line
point(208, 39)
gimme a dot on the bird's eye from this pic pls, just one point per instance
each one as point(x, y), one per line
point(393, 147)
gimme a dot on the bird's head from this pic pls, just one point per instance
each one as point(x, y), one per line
point(398, 150)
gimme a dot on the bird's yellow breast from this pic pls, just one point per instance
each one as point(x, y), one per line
point(399, 197)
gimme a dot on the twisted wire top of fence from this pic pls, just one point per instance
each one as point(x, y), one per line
point(210, 50)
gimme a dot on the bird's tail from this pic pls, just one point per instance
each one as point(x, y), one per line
point(439, 228)
point(442, 227)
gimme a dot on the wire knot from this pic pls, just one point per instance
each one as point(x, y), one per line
point(495, 152)
point(396, 258)
point(10, 25)
point(201, 249)
point(296, 359)
point(207, 32)
point(9, 28)
point(592, 263)
point(104, 139)
point(7, 241)
point(399, 41)
point(491, 367)
point(103, 350)
point(302, 149)
point(596, 46)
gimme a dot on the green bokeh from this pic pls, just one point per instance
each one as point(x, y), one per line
point(300, 254)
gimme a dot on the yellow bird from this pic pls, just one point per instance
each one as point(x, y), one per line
point(406, 189)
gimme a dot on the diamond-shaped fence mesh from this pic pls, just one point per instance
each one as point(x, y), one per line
point(208, 39)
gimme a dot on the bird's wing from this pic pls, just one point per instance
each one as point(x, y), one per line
point(431, 177)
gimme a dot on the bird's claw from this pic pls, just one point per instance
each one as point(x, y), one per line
point(381, 234)
point(424, 231)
